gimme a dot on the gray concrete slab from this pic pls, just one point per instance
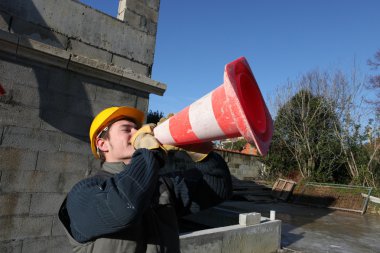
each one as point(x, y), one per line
point(308, 229)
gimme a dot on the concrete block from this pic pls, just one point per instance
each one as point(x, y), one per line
point(8, 42)
point(142, 103)
point(4, 21)
point(17, 159)
point(258, 238)
point(248, 219)
point(154, 4)
point(134, 66)
point(29, 181)
point(94, 165)
point(46, 245)
point(62, 162)
point(142, 83)
point(57, 228)
point(25, 73)
point(14, 204)
point(72, 84)
point(13, 228)
point(38, 51)
point(25, 138)
point(210, 244)
point(24, 95)
point(151, 28)
point(79, 48)
point(74, 19)
point(15, 115)
point(141, 8)
point(38, 33)
point(68, 180)
point(95, 68)
point(116, 96)
point(11, 246)
point(46, 203)
point(75, 144)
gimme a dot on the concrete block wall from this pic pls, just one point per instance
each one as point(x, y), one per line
point(58, 68)
point(81, 30)
point(242, 166)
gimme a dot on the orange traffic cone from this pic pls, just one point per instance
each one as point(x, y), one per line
point(235, 108)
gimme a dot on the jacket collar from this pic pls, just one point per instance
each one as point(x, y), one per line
point(113, 168)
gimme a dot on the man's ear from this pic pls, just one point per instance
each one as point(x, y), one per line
point(102, 144)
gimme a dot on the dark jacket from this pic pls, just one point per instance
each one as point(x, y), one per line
point(135, 207)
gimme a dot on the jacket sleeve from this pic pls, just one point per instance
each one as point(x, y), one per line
point(98, 205)
point(197, 185)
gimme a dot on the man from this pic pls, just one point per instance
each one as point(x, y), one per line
point(133, 203)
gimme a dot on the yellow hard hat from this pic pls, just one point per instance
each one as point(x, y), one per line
point(105, 117)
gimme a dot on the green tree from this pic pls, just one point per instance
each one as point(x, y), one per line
point(304, 139)
point(154, 116)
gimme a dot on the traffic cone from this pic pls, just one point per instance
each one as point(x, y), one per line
point(236, 108)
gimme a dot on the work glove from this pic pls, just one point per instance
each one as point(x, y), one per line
point(197, 151)
point(144, 138)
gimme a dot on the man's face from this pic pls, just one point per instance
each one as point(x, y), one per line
point(118, 148)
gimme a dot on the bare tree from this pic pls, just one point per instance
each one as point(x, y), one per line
point(338, 112)
point(374, 81)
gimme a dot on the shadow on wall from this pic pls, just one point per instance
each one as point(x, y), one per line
point(66, 100)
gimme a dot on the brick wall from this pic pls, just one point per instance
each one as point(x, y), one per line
point(57, 73)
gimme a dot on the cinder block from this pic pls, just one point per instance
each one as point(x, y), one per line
point(25, 73)
point(57, 227)
point(62, 162)
point(199, 244)
point(14, 204)
point(67, 122)
point(15, 159)
point(48, 244)
point(142, 104)
point(68, 180)
point(4, 21)
point(11, 246)
point(112, 94)
point(154, 4)
point(24, 95)
point(127, 63)
point(248, 219)
point(70, 83)
point(46, 203)
point(94, 165)
point(38, 33)
point(13, 228)
point(151, 27)
point(17, 115)
point(143, 9)
point(264, 237)
point(38, 51)
point(20, 137)
point(75, 144)
point(80, 48)
point(8, 42)
point(29, 181)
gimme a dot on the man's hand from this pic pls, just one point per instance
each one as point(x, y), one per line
point(144, 138)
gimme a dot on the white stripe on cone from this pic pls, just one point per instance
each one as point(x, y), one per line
point(202, 119)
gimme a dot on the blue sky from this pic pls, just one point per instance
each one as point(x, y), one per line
point(280, 39)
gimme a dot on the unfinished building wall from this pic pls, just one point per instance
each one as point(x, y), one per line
point(242, 166)
point(61, 62)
